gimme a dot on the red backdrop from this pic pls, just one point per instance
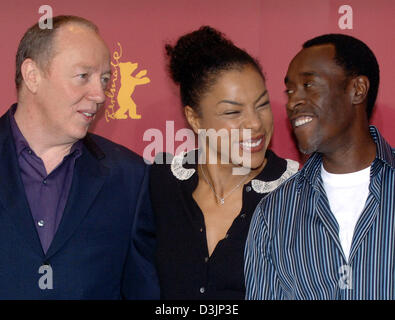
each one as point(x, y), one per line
point(271, 30)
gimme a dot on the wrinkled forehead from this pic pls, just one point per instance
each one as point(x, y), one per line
point(318, 60)
point(315, 56)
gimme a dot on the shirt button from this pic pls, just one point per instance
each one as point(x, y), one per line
point(29, 151)
point(45, 181)
point(227, 236)
point(40, 223)
point(206, 259)
point(243, 216)
point(201, 230)
point(202, 290)
point(248, 188)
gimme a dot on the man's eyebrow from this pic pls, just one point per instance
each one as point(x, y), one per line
point(304, 74)
point(83, 66)
point(309, 73)
point(89, 68)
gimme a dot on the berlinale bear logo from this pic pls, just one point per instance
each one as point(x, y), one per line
point(127, 108)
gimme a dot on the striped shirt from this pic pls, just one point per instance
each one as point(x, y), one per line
point(293, 249)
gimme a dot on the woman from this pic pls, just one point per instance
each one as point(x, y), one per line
point(204, 206)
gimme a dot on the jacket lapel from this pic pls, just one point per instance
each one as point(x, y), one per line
point(88, 179)
point(12, 192)
point(327, 218)
point(368, 215)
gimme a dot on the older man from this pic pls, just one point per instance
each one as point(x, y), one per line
point(75, 217)
point(328, 232)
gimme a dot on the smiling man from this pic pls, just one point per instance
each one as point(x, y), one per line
point(328, 232)
point(75, 216)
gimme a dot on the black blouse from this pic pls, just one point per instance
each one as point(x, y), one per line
point(185, 269)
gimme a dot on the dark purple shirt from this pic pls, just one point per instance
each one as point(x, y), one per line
point(46, 194)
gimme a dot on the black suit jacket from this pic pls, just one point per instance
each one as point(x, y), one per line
point(104, 245)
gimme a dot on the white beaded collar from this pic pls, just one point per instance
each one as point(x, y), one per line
point(258, 186)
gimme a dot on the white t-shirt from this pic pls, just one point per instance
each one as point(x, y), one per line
point(347, 194)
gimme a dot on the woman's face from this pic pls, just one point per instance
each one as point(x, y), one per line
point(238, 100)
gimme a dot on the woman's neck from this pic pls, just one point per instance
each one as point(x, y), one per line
point(222, 177)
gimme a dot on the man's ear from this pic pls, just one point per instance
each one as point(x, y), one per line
point(193, 118)
point(31, 74)
point(360, 89)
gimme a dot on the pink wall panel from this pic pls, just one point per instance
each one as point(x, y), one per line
point(271, 30)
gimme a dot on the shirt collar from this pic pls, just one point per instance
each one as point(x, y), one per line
point(384, 154)
point(384, 151)
point(184, 167)
point(20, 141)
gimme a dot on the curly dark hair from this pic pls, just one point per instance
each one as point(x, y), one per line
point(199, 57)
point(356, 58)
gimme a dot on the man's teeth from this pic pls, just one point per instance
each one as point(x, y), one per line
point(88, 114)
point(249, 144)
point(302, 120)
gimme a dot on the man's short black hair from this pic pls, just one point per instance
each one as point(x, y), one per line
point(355, 58)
